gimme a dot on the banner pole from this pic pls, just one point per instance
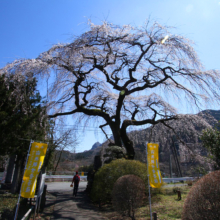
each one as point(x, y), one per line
point(148, 183)
point(16, 212)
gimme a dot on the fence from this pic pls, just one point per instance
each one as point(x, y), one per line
point(62, 178)
point(28, 213)
point(177, 179)
point(71, 173)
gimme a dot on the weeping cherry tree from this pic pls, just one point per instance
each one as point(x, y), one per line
point(123, 75)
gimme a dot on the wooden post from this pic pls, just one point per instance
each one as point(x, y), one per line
point(179, 194)
point(100, 203)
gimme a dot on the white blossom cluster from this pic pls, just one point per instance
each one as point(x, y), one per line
point(122, 73)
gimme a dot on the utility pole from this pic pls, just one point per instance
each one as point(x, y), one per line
point(171, 174)
point(175, 155)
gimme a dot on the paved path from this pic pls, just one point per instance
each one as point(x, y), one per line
point(64, 186)
point(69, 207)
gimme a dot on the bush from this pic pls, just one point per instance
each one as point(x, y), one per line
point(128, 194)
point(108, 174)
point(203, 200)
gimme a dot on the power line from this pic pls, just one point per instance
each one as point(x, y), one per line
point(78, 126)
point(81, 130)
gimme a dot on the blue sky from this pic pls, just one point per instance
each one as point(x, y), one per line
point(29, 27)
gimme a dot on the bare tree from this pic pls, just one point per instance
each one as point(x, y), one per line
point(65, 141)
point(60, 140)
point(125, 76)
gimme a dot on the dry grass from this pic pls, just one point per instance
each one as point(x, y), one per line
point(164, 202)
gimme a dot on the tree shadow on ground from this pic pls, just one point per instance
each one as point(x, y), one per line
point(69, 207)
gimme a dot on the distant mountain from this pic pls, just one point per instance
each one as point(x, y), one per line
point(70, 161)
point(94, 146)
point(214, 113)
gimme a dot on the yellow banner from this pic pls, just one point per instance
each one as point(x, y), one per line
point(35, 162)
point(155, 177)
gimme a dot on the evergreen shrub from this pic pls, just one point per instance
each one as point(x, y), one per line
point(108, 174)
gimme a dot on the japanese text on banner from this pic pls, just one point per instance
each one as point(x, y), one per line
point(35, 162)
point(155, 177)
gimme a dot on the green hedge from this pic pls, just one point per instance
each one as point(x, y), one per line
point(108, 174)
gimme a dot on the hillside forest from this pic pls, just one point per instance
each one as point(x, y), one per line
point(192, 161)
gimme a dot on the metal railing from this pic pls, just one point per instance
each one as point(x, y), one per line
point(62, 178)
point(64, 175)
point(71, 173)
point(27, 213)
point(177, 179)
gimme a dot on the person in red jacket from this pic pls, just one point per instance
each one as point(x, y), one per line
point(76, 180)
